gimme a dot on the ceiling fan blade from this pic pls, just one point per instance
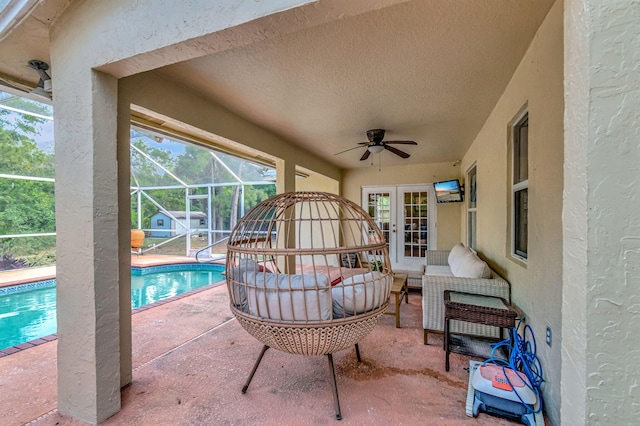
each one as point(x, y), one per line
point(401, 142)
point(350, 149)
point(366, 155)
point(396, 151)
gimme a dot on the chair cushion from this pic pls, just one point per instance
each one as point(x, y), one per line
point(335, 273)
point(360, 293)
point(237, 276)
point(289, 297)
point(439, 270)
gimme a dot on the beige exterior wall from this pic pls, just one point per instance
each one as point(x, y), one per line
point(448, 215)
point(308, 233)
point(317, 182)
point(536, 287)
point(600, 359)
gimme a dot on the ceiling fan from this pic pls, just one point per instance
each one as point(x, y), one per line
point(377, 145)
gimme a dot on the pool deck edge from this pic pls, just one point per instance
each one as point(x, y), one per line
point(41, 273)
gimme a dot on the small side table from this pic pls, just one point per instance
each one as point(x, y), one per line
point(476, 308)
point(399, 289)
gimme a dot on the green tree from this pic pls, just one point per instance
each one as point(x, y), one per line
point(145, 171)
point(26, 206)
point(195, 165)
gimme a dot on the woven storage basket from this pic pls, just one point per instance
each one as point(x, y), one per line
point(288, 285)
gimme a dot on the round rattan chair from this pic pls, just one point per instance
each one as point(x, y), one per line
point(308, 273)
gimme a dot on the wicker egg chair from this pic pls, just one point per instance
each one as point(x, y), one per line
point(308, 273)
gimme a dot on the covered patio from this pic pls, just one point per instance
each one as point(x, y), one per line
point(532, 103)
point(191, 358)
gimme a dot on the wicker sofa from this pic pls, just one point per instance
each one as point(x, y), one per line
point(433, 287)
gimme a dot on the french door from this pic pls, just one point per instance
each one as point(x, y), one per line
point(407, 217)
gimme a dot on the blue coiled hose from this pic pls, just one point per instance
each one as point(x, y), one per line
point(523, 358)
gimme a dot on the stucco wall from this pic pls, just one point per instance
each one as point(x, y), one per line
point(601, 365)
point(536, 287)
point(448, 215)
point(317, 182)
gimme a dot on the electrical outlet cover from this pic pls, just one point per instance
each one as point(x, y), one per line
point(549, 336)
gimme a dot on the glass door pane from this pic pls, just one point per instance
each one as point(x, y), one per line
point(379, 208)
point(380, 203)
point(416, 224)
point(403, 215)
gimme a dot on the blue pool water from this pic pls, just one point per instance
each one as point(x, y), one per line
point(28, 312)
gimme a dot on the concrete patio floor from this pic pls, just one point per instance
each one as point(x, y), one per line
point(191, 358)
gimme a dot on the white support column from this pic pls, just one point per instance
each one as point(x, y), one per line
point(187, 220)
point(139, 198)
point(88, 258)
point(209, 218)
point(601, 241)
point(242, 200)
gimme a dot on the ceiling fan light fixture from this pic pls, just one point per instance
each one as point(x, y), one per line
point(376, 145)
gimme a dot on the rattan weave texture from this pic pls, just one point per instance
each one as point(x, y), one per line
point(433, 288)
point(480, 314)
point(288, 285)
point(308, 340)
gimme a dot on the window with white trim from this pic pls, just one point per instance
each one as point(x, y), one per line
point(471, 207)
point(520, 187)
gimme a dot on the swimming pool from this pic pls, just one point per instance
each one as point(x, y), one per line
point(28, 311)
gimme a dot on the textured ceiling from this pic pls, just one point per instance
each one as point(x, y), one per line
point(424, 70)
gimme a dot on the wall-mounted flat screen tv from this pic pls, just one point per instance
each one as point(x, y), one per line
point(448, 191)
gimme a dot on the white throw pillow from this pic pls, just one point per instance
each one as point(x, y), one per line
point(289, 297)
point(473, 267)
point(360, 293)
point(456, 255)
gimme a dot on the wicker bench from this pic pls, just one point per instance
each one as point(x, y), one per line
point(433, 287)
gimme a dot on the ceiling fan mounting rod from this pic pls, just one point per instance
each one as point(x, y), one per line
point(375, 135)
